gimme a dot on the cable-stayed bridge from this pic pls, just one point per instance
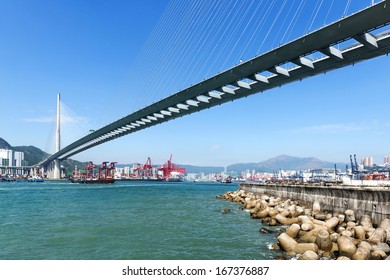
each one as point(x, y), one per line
point(365, 33)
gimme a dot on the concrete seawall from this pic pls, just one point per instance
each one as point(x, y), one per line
point(373, 201)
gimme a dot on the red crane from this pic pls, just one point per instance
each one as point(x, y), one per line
point(90, 170)
point(148, 168)
point(137, 170)
point(110, 171)
point(105, 171)
point(102, 170)
point(142, 171)
point(168, 168)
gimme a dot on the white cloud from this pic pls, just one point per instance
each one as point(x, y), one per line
point(341, 127)
point(215, 148)
point(333, 128)
point(69, 119)
point(40, 120)
point(50, 119)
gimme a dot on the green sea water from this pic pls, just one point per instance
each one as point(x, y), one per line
point(58, 220)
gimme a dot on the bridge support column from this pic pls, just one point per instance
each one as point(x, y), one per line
point(57, 167)
point(57, 170)
point(41, 171)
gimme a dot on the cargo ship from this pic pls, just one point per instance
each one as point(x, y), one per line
point(168, 172)
point(138, 179)
point(105, 174)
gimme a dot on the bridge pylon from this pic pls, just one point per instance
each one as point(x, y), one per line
point(57, 164)
point(53, 169)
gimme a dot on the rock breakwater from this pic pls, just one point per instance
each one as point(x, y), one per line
point(312, 233)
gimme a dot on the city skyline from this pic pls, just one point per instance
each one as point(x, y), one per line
point(13, 157)
point(94, 64)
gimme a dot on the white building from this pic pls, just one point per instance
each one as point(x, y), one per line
point(126, 171)
point(368, 161)
point(18, 159)
point(9, 158)
point(386, 160)
point(118, 172)
point(6, 158)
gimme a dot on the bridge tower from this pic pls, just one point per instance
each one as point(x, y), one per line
point(57, 167)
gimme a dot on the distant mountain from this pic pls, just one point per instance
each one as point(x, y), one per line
point(189, 168)
point(284, 162)
point(205, 169)
point(4, 144)
point(34, 155)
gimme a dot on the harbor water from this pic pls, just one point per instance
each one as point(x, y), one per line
point(58, 220)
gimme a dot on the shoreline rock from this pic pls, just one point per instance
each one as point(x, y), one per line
point(313, 234)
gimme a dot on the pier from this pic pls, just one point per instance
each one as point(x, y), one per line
point(373, 201)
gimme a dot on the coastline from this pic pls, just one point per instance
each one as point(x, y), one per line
point(313, 233)
point(372, 201)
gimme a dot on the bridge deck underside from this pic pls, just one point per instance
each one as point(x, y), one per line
point(260, 74)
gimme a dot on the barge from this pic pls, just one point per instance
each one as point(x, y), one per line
point(105, 174)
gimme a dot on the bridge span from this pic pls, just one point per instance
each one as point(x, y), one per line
point(365, 34)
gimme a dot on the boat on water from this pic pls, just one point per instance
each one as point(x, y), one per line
point(227, 180)
point(92, 181)
point(35, 179)
point(139, 179)
point(30, 179)
point(7, 179)
point(105, 174)
point(174, 176)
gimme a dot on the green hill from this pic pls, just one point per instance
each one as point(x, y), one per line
point(4, 144)
point(34, 155)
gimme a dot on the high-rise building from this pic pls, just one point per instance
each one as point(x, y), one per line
point(18, 159)
point(6, 157)
point(126, 171)
point(368, 161)
point(386, 160)
point(9, 158)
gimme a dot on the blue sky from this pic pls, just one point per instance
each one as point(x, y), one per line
point(110, 58)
